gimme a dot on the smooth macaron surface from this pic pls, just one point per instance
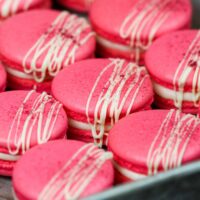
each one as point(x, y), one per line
point(46, 161)
point(116, 12)
point(29, 118)
point(172, 49)
point(27, 46)
point(74, 85)
point(149, 142)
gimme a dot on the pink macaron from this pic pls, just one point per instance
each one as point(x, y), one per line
point(78, 5)
point(96, 93)
point(27, 119)
point(150, 142)
point(3, 78)
point(62, 170)
point(128, 29)
point(10, 7)
point(40, 44)
point(175, 73)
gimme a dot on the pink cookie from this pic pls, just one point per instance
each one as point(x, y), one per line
point(27, 119)
point(96, 93)
point(2, 79)
point(176, 73)
point(128, 29)
point(10, 7)
point(40, 44)
point(149, 142)
point(79, 5)
point(62, 170)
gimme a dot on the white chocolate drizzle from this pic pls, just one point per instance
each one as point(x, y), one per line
point(146, 16)
point(33, 120)
point(10, 7)
point(73, 178)
point(114, 95)
point(57, 47)
point(169, 146)
point(189, 66)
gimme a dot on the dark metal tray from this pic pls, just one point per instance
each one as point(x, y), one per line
point(179, 184)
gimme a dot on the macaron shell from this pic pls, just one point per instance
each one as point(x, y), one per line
point(27, 28)
point(44, 161)
point(171, 49)
point(10, 103)
point(16, 83)
point(131, 138)
point(115, 12)
point(67, 89)
point(79, 5)
point(3, 78)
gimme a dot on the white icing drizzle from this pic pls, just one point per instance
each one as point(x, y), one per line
point(58, 46)
point(10, 7)
point(114, 95)
point(145, 15)
point(189, 66)
point(73, 178)
point(34, 118)
point(169, 145)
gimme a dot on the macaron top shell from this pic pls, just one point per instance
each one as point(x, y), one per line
point(42, 42)
point(29, 118)
point(172, 49)
point(46, 161)
point(151, 141)
point(10, 7)
point(87, 85)
point(117, 13)
point(3, 78)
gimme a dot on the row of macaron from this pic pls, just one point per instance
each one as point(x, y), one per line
point(172, 62)
point(37, 150)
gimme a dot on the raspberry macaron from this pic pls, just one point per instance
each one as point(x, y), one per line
point(128, 29)
point(40, 44)
point(3, 78)
point(62, 170)
point(96, 93)
point(175, 73)
point(10, 7)
point(150, 142)
point(27, 119)
point(78, 5)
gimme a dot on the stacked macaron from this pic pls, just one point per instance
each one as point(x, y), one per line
point(128, 29)
point(97, 93)
point(27, 119)
point(63, 170)
point(40, 44)
point(149, 142)
point(176, 73)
